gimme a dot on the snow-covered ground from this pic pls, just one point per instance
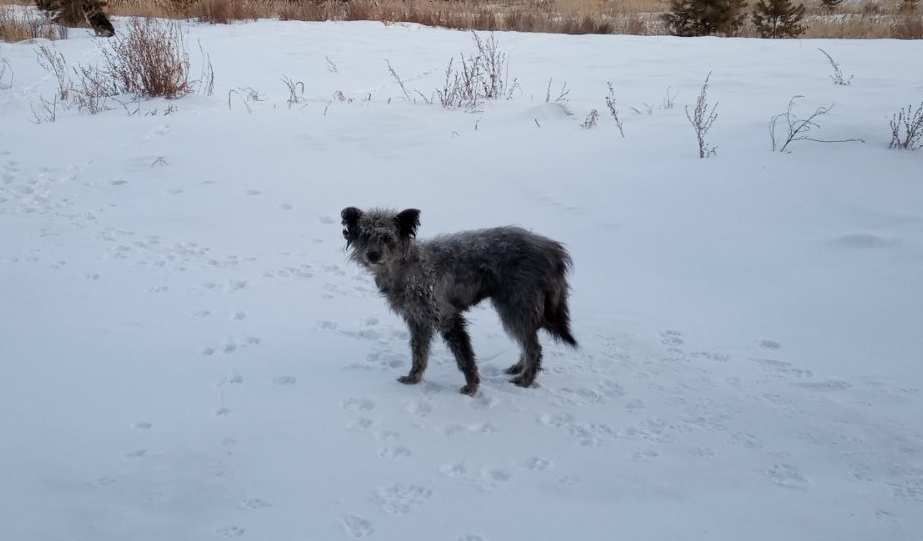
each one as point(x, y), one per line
point(186, 354)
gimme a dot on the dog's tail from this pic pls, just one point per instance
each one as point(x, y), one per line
point(557, 314)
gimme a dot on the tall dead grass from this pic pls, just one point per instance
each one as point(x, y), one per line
point(19, 25)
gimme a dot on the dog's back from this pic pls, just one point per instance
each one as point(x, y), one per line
point(509, 265)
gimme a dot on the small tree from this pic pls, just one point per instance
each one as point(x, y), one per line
point(778, 18)
point(830, 5)
point(705, 17)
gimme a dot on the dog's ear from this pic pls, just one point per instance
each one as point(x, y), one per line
point(350, 223)
point(407, 223)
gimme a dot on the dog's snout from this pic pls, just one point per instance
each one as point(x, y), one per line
point(373, 256)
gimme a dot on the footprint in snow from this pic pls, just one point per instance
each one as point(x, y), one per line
point(358, 404)
point(284, 381)
point(357, 526)
point(254, 503)
point(786, 475)
point(230, 531)
point(402, 499)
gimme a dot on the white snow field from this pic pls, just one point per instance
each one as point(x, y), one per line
point(187, 354)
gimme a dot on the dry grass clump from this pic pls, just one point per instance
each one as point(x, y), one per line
point(149, 60)
point(18, 25)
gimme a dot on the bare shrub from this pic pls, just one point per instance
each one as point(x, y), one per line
point(54, 63)
point(907, 128)
point(149, 60)
point(92, 90)
point(702, 119)
point(799, 128)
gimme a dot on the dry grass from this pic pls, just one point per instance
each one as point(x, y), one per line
point(863, 19)
point(18, 26)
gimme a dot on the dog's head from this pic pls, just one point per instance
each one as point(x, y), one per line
point(378, 237)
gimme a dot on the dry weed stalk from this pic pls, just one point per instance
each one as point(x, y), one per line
point(702, 120)
point(6, 75)
point(837, 72)
point(613, 110)
point(798, 128)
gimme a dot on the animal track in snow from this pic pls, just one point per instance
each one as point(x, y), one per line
point(230, 532)
point(284, 381)
point(537, 464)
point(357, 526)
point(672, 338)
point(395, 452)
point(402, 499)
point(419, 408)
point(358, 404)
point(785, 475)
point(768, 344)
point(254, 503)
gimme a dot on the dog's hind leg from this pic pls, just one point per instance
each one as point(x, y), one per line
point(456, 337)
point(517, 368)
point(531, 360)
point(421, 336)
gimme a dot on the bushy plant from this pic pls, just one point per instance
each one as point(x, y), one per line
point(778, 18)
point(705, 17)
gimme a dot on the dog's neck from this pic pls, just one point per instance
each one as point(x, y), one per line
point(398, 275)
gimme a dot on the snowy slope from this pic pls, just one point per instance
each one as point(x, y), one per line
point(186, 354)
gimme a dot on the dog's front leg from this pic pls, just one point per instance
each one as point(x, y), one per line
point(421, 336)
point(456, 337)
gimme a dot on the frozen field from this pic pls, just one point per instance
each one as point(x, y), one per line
point(186, 354)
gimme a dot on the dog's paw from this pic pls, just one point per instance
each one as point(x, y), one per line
point(470, 389)
point(523, 381)
point(515, 369)
point(410, 379)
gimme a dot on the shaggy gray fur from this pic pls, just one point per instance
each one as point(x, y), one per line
point(430, 283)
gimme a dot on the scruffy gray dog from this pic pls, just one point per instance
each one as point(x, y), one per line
point(430, 283)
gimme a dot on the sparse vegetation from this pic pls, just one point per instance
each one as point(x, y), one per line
point(907, 128)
